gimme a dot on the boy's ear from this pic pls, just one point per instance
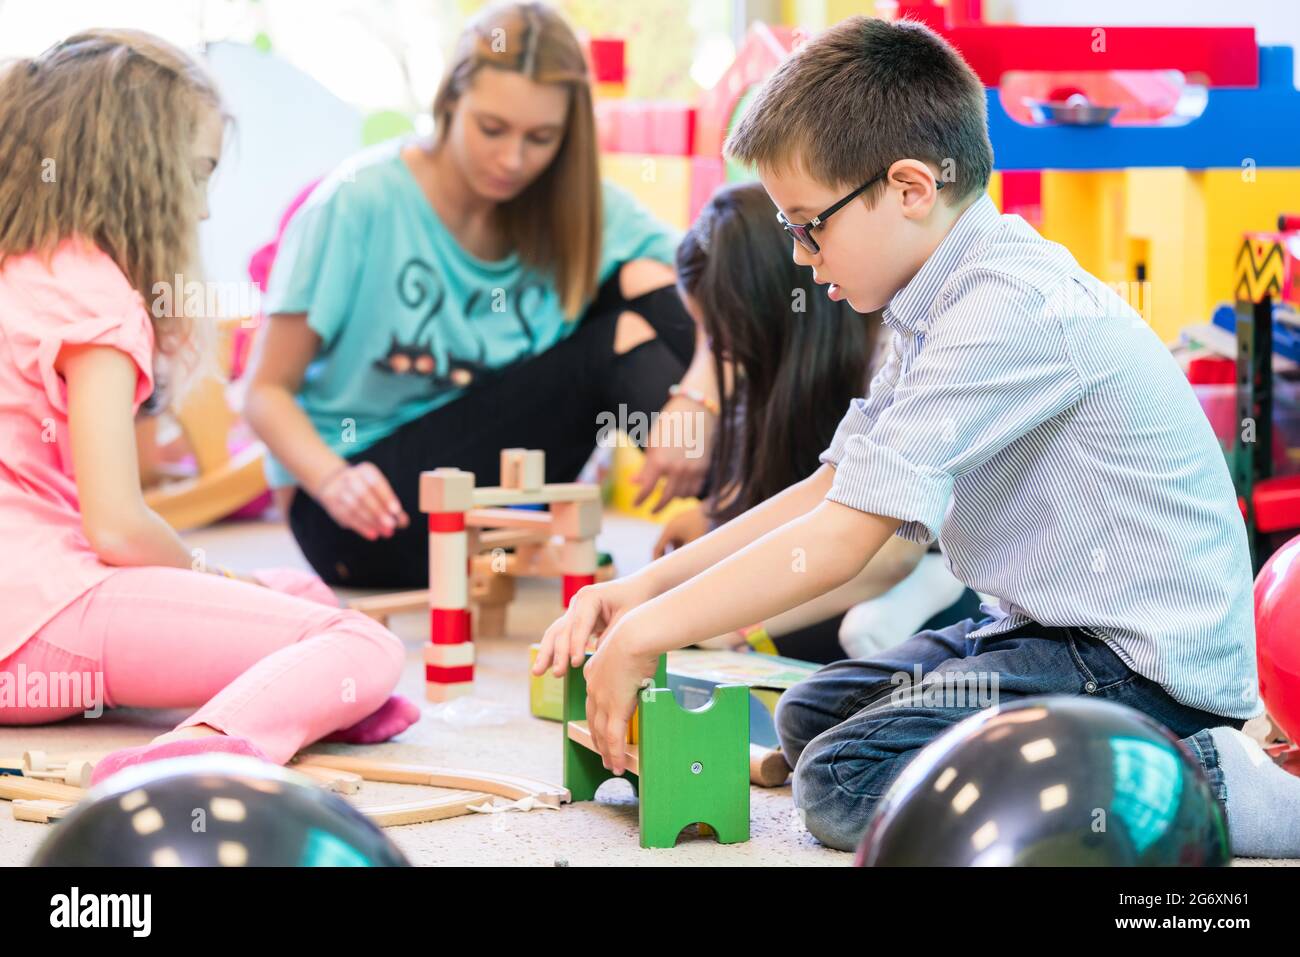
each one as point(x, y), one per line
point(916, 186)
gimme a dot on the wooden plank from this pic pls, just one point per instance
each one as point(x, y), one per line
point(558, 492)
point(440, 808)
point(509, 538)
point(380, 607)
point(508, 786)
point(13, 788)
point(509, 518)
point(579, 732)
point(41, 811)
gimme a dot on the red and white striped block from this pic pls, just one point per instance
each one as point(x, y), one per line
point(446, 495)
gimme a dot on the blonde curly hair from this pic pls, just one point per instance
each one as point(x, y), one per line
point(96, 141)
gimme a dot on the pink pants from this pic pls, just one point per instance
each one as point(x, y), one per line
point(277, 670)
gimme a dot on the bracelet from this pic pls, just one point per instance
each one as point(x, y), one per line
point(696, 396)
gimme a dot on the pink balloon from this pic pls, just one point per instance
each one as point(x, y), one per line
point(1277, 636)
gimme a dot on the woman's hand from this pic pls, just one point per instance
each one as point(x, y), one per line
point(614, 676)
point(678, 451)
point(682, 529)
point(594, 610)
point(359, 497)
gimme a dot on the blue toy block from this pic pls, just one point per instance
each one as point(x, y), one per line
point(1238, 126)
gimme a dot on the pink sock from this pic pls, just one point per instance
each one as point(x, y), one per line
point(144, 753)
point(393, 717)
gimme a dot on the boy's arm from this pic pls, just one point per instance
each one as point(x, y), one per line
point(789, 565)
point(686, 562)
point(802, 559)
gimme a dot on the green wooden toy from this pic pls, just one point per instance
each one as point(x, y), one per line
point(687, 767)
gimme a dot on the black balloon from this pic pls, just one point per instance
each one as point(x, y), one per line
point(215, 811)
point(1050, 781)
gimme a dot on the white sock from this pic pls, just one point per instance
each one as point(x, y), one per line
point(1263, 801)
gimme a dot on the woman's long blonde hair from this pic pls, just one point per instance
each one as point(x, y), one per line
point(96, 142)
point(554, 224)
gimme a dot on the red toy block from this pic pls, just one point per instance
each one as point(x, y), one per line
point(571, 584)
point(448, 676)
point(1212, 370)
point(1223, 56)
point(1277, 503)
point(449, 626)
point(1022, 194)
point(645, 127)
point(607, 60)
point(446, 521)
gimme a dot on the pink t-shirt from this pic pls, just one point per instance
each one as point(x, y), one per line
point(80, 297)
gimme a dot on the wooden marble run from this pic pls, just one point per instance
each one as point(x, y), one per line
point(42, 799)
point(460, 514)
point(687, 767)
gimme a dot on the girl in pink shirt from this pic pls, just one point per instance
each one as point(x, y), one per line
point(110, 139)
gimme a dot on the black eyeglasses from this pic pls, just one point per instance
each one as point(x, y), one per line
point(802, 232)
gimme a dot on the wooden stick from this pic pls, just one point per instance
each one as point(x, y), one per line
point(767, 767)
point(579, 732)
point(509, 518)
point(508, 786)
point(13, 788)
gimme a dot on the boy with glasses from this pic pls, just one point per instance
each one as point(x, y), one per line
point(1026, 419)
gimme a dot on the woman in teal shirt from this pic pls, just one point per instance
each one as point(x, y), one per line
point(433, 303)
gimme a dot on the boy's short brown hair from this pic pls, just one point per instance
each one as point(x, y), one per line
point(864, 94)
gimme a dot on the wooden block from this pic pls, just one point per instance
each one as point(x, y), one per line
point(576, 519)
point(41, 810)
point(488, 587)
point(579, 732)
point(448, 570)
point(490, 621)
point(440, 693)
point(449, 656)
point(446, 490)
point(523, 469)
point(36, 761)
point(509, 518)
point(578, 557)
point(767, 766)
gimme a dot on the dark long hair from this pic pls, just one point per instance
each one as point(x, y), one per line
point(799, 357)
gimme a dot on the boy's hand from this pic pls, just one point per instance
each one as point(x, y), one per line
point(594, 610)
point(614, 676)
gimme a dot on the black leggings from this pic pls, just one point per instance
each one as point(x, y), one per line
point(550, 401)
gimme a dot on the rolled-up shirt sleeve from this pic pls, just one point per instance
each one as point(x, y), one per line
point(995, 366)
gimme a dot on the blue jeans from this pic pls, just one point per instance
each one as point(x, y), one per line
point(852, 727)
